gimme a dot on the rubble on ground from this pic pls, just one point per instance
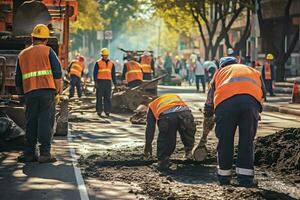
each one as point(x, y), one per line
point(280, 151)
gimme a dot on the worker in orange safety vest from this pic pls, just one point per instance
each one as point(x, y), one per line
point(75, 71)
point(235, 97)
point(104, 75)
point(38, 77)
point(147, 65)
point(171, 114)
point(268, 74)
point(132, 72)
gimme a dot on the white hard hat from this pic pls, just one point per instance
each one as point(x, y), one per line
point(230, 51)
point(146, 53)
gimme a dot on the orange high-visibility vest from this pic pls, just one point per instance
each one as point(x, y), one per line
point(268, 75)
point(104, 71)
point(165, 102)
point(76, 68)
point(134, 71)
point(36, 68)
point(146, 64)
point(237, 79)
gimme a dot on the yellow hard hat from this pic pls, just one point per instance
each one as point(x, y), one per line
point(104, 52)
point(269, 56)
point(40, 31)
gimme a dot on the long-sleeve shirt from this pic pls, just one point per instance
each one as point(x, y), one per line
point(55, 68)
point(113, 72)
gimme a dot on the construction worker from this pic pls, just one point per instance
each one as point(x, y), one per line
point(75, 70)
point(235, 97)
point(171, 115)
point(147, 65)
point(268, 74)
point(38, 76)
point(132, 72)
point(104, 74)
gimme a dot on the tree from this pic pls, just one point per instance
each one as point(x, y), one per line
point(276, 43)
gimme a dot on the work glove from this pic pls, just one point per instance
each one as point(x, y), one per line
point(148, 151)
point(57, 99)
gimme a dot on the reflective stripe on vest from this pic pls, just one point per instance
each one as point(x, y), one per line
point(36, 68)
point(165, 102)
point(134, 71)
point(146, 64)
point(36, 73)
point(237, 79)
point(76, 69)
point(104, 71)
point(268, 71)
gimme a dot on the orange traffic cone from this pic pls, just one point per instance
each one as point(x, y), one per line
point(295, 94)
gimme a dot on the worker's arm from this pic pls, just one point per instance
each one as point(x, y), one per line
point(124, 72)
point(56, 71)
point(96, 68)
point(113, 75)
point(150, 130)
point(83, 67)
point(18, 79)
point(209, 103)
point(152, 67)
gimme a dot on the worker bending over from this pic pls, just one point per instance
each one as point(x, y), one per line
point(132, 72)
point(38, 76)
point(171, 115)
point(147, 65)
point(104, 74)
point(235, 97)
point(75, 70)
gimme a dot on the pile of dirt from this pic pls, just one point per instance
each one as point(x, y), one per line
point(280, 151)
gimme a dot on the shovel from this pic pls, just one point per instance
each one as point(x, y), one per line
point(200, 151)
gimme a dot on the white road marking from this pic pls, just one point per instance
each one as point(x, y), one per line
point(80, 182)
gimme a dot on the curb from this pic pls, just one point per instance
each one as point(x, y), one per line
point(272, 108)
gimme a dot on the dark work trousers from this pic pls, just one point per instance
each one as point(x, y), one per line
point(134, 83)
point(269, 86)
point(75, 82)
point(238, 111)
point(103, 95)
point(168, 125)
point(147, 76)
point(202, 79)
point(40, 116)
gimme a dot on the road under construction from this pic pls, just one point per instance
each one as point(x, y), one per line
point(103, 158)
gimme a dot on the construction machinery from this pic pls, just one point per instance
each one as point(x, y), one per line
point(17, 19)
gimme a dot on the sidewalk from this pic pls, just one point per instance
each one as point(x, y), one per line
point(281, 103)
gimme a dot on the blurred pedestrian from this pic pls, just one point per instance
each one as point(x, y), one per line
point(210, 69)
point(200, 74)
point(168, 66)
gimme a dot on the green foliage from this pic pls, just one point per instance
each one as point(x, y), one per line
point(89, 17)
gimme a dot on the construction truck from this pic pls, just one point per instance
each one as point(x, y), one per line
point(17, 19)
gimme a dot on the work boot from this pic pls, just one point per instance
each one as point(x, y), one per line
point(162, 165)
point(24, 158)
point(245, 181)
point(99, 114)
point(107, 114)
point(188, 155)
point(224, 180)
point(46, 159)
